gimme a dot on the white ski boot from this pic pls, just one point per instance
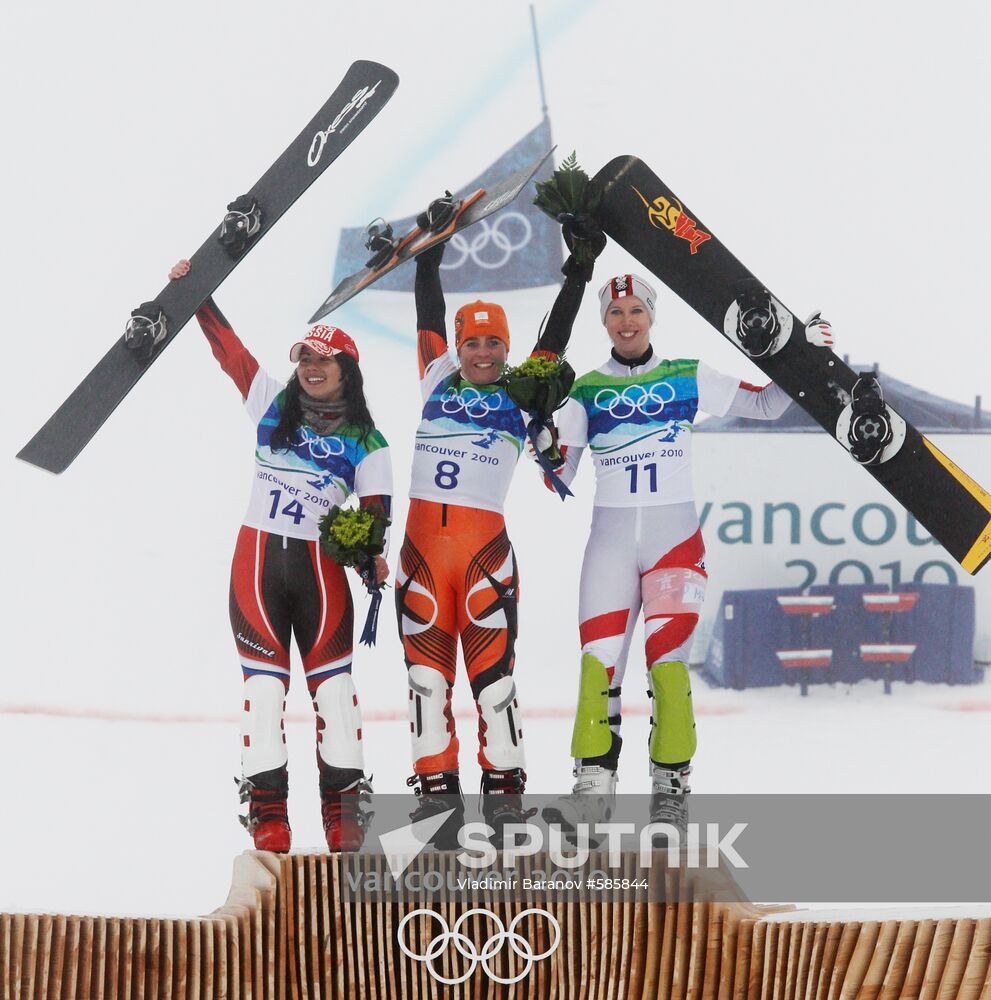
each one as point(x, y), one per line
point(592, 800)
point(669, 792)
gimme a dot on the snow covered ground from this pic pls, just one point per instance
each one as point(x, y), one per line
point(837, 145)
point(117, 816)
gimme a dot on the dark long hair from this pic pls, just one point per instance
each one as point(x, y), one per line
point(356, 412)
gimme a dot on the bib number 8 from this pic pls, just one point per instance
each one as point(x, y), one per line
point(447, 475)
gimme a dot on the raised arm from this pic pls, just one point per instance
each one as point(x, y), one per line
point(235, 359)
point(431, 329)
point(584, 239)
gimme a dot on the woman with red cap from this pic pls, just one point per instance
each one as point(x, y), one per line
point(645, 548)
point(316, 445)
point(457, 575)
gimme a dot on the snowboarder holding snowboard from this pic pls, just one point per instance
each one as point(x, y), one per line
point(645, 548)
point(457, 574)
point(316, 444)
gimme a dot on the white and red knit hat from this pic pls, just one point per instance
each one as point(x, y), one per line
point(623, 285)
point(325, 340)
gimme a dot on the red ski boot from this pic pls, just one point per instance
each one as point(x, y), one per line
point(267, 820)
point(343, 792)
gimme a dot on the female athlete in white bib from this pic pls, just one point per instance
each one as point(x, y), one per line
point(457, 575)
point(645, 549)
point(316, 444)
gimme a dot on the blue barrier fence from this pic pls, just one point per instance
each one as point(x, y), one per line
point(751, 628)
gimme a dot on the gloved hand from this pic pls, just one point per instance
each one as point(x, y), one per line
point(432, 256)
point(584, 229)
point(547, 444)
point(818, 331)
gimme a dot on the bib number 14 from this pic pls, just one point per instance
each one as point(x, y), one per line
point(293, 509)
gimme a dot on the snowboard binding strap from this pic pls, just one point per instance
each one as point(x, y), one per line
point(380, 242)
point(146, 329)
point(757, 324)
point(870, 425)
point(241, 225)
point(439, 213)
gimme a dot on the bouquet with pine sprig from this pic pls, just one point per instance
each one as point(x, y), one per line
point(573, 199)
point(539, 386)
point(354, 537)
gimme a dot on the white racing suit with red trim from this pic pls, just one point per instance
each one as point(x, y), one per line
point(645, 549)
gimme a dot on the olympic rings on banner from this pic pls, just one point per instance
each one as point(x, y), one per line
point(649, 400)
point(466, 947)
point(476, 404)
point(497, 234)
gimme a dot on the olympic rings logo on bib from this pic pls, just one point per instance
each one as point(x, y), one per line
point(467, 949)
point(476, 404)
point(320, 447)
point(648, 400)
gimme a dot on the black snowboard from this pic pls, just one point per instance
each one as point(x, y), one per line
point(363, 92)
point(643, 215)
point(472, 208)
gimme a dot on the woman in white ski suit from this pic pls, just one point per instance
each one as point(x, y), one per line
point(645, 548)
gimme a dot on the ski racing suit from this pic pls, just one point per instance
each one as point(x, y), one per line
point(457, 574)
point(281, 582)
point(645, 548)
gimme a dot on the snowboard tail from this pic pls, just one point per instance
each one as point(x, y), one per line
point(645, 217)
point(363, 92)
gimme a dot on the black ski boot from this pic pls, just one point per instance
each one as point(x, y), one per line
point(502, 800)
point(439, 793)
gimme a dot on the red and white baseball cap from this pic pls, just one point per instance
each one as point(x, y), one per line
point(626, 284)
point(325, 340)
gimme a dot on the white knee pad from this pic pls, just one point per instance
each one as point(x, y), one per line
point(263, 738)
point(339, 723)
point(500, 731)
point(429, 711)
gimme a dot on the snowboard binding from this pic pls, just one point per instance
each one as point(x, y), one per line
point(380, 242)
point(439, 213)
point(241, 225)
point(145, 330)
point(870, 424)
point(757, 324)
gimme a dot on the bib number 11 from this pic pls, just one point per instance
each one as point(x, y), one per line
point(634, 471)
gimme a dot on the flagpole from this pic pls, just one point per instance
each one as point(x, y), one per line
point(540, 71)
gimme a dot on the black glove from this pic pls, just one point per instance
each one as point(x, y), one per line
point(582, 228)
point(432, 256)
point(585, 240)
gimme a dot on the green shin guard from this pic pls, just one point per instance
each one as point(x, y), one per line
point(672, 732)
point(591, 736)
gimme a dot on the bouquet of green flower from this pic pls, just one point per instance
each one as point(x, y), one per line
point(573, 199)
point(540, 385)
point(354, 537)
